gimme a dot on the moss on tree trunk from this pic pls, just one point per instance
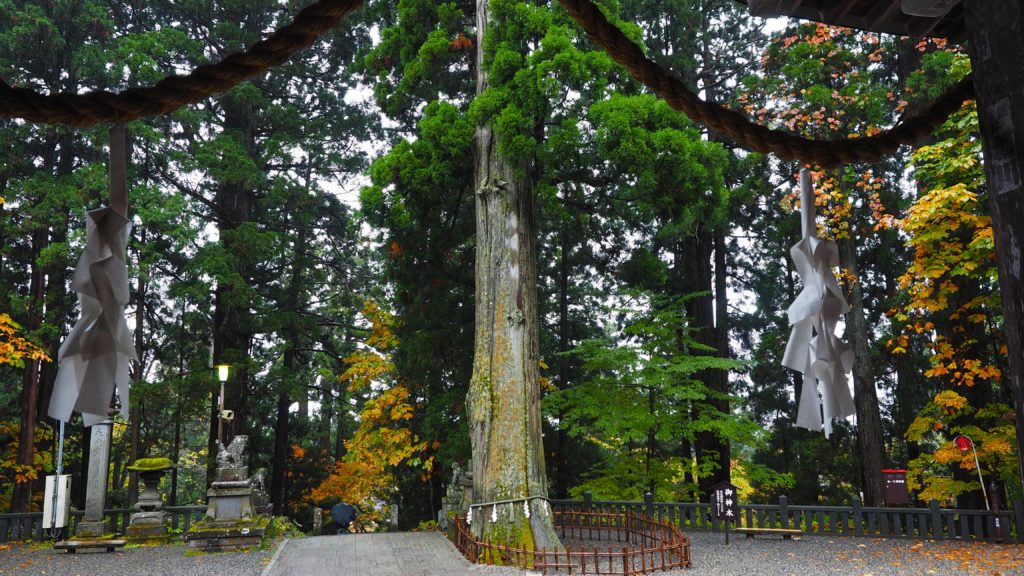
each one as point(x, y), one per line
point(504, 394)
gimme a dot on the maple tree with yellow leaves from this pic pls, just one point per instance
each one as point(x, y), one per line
point(384, 439)
point(951, 306)
point(14, 351)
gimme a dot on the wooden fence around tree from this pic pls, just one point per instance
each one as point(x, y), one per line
point(933, 522)
point(620, 544)
point(29, 525)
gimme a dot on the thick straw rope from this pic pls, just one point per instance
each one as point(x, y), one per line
point(173, 92)
point(785, 145)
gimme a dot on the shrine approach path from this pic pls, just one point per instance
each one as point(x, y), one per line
point(378, 554)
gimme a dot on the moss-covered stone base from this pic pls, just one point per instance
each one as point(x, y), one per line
point(145, 534)
point(232, 535)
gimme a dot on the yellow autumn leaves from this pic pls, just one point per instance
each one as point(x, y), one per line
point(384, 439)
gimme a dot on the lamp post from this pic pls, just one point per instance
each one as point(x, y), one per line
point(964, 443)
point(223, 371)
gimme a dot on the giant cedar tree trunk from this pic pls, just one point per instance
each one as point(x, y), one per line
point(993, 30)
point(504, 391)
point(30, 381)
point(279, 468)
point(865, 397)
point(278, 491)
point(696, 277)
point(232, 322)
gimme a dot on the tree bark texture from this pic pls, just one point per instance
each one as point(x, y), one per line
point(994, 39)
point(696, 274)
point(279, 467)
point(504, 391)
point(865, 397)
point(30, 384)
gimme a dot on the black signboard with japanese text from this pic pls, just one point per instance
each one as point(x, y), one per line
point(725, 501)
point(895, 482)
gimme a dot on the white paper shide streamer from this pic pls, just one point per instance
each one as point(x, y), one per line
point(813, 348)
point(98, 352)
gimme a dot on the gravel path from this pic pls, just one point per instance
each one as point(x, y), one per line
point(167, 560)
point(763, 556)
point(816, 555)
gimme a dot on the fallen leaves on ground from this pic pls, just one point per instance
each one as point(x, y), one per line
point(988, 559)
point(975, 558)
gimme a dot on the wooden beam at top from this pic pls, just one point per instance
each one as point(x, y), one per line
point(918, 27)
point(882, 11)
point(770, 8)
point(839, 10)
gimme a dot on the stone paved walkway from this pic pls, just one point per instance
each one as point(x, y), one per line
point(383, 554)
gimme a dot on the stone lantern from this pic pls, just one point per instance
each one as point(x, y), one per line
point(149, 519)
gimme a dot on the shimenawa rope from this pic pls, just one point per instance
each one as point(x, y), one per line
point(173, 92)
point(737, 127)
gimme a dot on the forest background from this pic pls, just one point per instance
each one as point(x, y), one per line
point(314, 228)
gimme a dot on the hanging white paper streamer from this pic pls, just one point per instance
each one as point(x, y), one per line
point(469, 516)
point(97, 353)
point(813, 348)
point(526, 508)
point(494, 513)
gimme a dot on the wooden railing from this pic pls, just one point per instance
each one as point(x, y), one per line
point(29, 526)
point(933, 522)
point(648, 546)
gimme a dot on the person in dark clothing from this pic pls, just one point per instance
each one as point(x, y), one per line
point(343, 515)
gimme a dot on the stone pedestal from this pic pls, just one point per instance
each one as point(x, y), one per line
point(231, 522)
point(92, 529)
point(232, 474)
point(227, 535)
point(229, 501)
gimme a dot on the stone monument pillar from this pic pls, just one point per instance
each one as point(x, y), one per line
point(94, 525)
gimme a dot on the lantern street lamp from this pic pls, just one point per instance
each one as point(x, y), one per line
point(223, 370)
point(964, 443)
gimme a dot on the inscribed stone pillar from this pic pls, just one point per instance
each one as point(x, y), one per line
point(94, 525)
point(994, 32)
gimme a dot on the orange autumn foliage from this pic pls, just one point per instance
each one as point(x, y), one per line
point(384, 439)
point(11, 472)
point(951, 235)
point(14, 349)
point(949, 307)
point(460, 42)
